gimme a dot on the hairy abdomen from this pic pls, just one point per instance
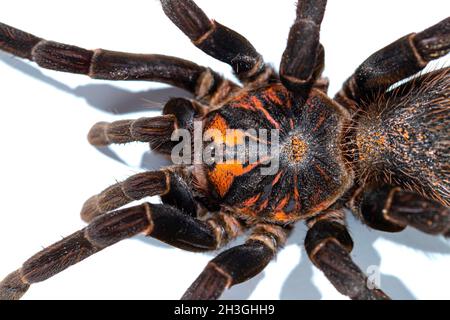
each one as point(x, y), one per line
point(403, 137)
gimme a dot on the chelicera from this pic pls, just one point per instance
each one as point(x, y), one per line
point(378, 150)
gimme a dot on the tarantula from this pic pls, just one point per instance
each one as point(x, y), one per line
point(379, 150)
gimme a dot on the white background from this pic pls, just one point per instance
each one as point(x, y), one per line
point(47, 168)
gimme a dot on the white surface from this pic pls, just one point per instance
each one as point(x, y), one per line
point(48, 169)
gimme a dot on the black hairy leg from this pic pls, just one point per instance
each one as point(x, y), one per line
point(398, 60)
point(392, 209)
point(178, 113)
point(303, 59)
point(219, 41)
point(162, 222)
point(238, 264)
point(328, 245)
point(111, 65)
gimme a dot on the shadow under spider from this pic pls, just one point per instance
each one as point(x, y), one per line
point(104, 97)
point(299, 283)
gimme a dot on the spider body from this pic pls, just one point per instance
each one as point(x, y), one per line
point(381, 153)
point(311, 173)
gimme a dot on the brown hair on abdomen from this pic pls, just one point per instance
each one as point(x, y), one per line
point(402, 138)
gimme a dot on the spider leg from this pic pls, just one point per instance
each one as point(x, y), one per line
point(303, 59)
point(328, 245)
point(218, 41)
point(399, 60)
point(170, 184)
point(162, 222)
point(178, 113)
point(156, 130)
point(239, 263)
point(112, 65)
point(391, 209)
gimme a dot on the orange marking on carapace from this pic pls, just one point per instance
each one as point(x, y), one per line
point(241, 101)
point(322, 206)
point(247, 211)
point(277, 177)
point(264, 204)
point(315, 196)
point(296, 193)
point(218, 123)
point(289, 103)
point(272, 96)
point(319, 122)
point(224, 173)
point(222, 134)
point(251, 201)
point(282, 203)
point(243, 105)
point(282, 216)
point(259, 106)
point(322, 173)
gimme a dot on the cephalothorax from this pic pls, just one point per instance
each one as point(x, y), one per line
point(311, 173)
point(376, 149)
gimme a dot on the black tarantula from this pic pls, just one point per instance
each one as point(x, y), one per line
point(378, 150)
